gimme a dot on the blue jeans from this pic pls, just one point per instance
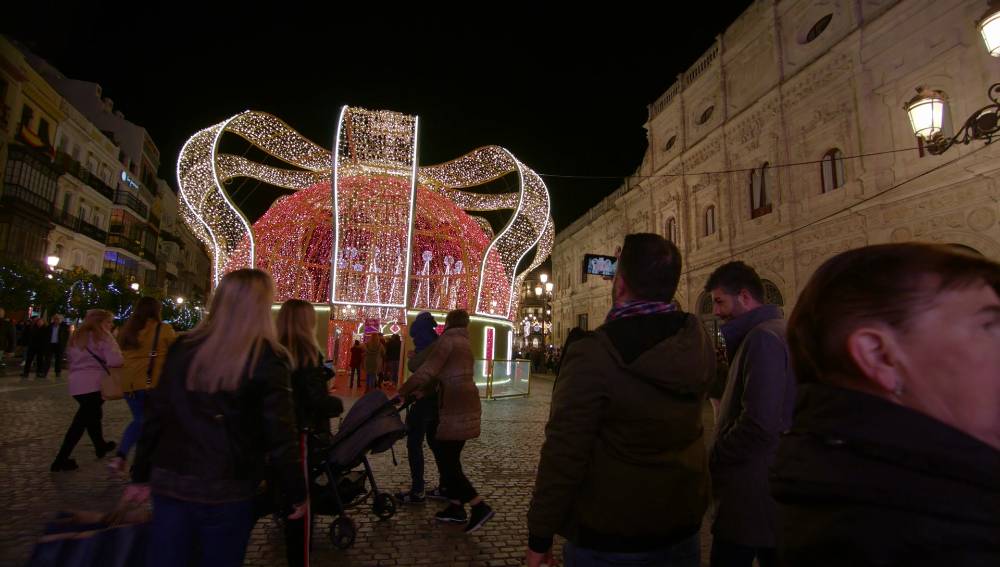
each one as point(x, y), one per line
point(218, 533)
point(419, 417)
point(136, 401)
point(684, 554)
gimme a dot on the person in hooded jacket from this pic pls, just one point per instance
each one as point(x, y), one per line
point(623, 474)
point(449, 365)
point(422, 415)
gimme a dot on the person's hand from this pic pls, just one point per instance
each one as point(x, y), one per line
point(298, 511)
point(535, 559)
point(135, 494)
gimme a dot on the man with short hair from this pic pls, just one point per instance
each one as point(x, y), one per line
point(756, 407)
point(57, 339)
point(623, 471)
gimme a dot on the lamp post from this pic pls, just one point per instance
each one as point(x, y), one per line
point(926, 110)
point(134, 286)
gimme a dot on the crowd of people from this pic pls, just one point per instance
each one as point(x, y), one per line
point(865, 430)
point(862, 430)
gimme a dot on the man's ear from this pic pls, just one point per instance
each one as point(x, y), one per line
point(875, 352)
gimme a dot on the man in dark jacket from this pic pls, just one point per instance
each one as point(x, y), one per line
point(57, 337)
point(623, 474)
point(35, 341)
point(894, 454)
point(8, 338)
point(756, 407)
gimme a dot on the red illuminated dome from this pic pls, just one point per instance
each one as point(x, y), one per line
point(294, 242)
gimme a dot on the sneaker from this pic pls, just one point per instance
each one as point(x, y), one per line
point(409, 497)
point(436, 494)
point(117, 466)
point(67, 465)
point(108, 447)
point(481, 513)
point(453, 514)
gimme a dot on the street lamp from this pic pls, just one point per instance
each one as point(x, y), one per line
point(179, 300)
point(549, 286)
point(989, 27)
point(134, 286)
point(544, 277)
point(926, 110)
point(538, 290)
point(52, 261)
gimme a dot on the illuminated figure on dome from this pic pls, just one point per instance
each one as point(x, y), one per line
point(393, 239)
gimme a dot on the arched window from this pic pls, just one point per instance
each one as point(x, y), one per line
point(670, 231)
point(710, 220)
point(832, 170)
point(772, 295)
point(760, 201)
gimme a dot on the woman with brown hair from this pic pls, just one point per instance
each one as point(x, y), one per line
point(314, 407)
point(92, 353)
point(449, 364)
point(144, 340)
point(222, 411)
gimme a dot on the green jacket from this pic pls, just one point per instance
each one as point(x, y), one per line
point(623, 466)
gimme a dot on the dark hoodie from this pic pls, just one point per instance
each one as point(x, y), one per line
point(623, 467)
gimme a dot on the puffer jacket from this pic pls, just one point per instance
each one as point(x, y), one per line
point(85, 371)
point(211, 447)
point(449, 363)
point(623, 467)
point(137, 360)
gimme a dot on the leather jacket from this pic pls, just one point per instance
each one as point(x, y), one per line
point(212, 447)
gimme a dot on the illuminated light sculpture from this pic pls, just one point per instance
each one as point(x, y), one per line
point(367, 230)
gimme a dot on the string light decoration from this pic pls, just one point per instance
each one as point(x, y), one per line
point(385, 235)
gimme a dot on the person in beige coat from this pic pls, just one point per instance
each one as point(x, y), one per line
point(141, 356)
point(449, 363)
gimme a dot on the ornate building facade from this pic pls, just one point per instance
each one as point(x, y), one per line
point(787, 143)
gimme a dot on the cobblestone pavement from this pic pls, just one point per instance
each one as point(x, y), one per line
point(501, 464)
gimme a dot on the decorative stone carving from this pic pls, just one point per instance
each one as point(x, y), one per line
point(812, 81)
point(982, 219)
point(901, 234)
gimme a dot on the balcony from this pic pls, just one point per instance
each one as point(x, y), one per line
point(132, 202)
point(13, 192)
point(66, 164)
point(77, 224)
point(125, 243)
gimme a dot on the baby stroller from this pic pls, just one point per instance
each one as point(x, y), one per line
point(339, 467)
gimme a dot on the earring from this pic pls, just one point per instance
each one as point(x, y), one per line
point(898, 390)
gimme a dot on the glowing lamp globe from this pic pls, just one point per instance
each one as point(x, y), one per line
point(926, 113)
point(989, 28)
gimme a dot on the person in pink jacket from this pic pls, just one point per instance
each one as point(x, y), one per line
point(92, 353)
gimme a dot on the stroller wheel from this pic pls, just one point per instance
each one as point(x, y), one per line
point(342, 532)
point(384, 506)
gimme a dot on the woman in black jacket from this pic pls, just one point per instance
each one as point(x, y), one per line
point(223, 405)
point(314, 406)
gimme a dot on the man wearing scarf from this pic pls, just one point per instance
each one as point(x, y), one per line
point(623, 474)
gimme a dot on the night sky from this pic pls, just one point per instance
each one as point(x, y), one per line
point(565, 92)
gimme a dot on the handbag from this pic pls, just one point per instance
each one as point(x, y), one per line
point(152, 356)
point(111, 384)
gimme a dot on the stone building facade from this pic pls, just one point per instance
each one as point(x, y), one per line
point(787, 143)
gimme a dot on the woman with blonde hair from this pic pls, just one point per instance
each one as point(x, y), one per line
point(314, 407)
point(223, 407)
point(144, 340)
point(92, 353)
